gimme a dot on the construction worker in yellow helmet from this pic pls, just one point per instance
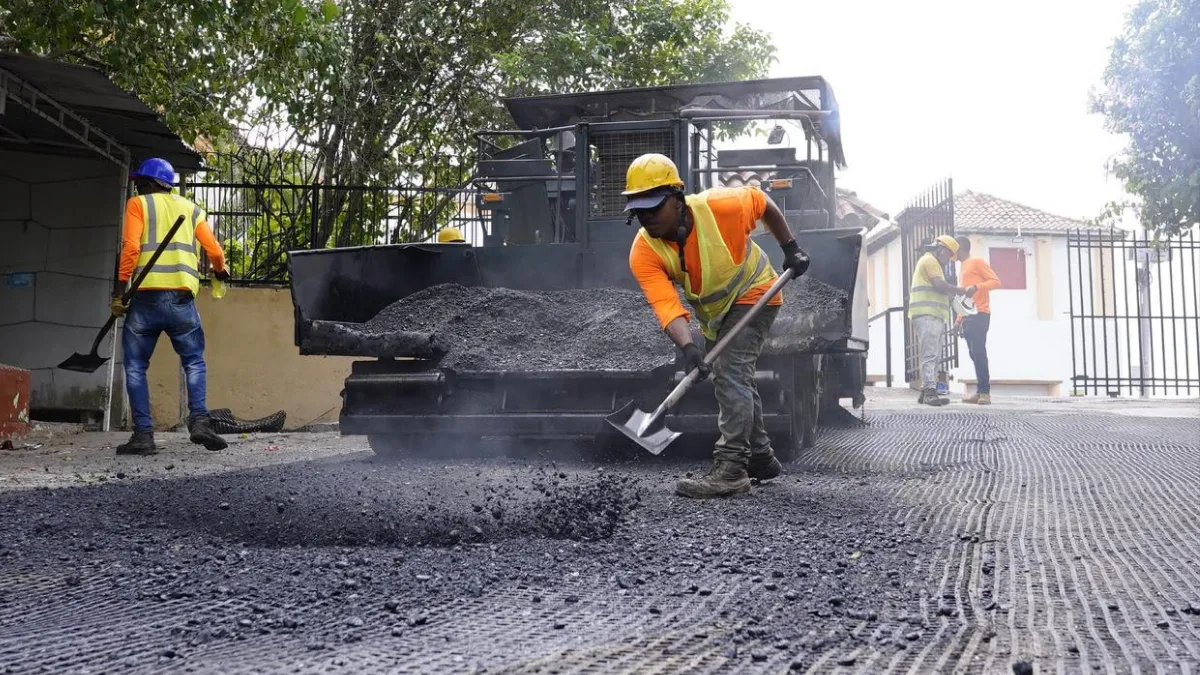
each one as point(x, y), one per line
point(702, 244)
point(451, 235)
point(929, 310)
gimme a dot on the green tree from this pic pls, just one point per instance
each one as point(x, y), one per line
point(1152, 94)
point(414, 79)
point(203, 64)
point(634, 43)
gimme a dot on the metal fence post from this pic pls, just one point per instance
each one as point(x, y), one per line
point(314, 220)
point(887, 337)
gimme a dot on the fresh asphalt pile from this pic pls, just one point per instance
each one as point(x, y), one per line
point(501, 329)
point(481, 565)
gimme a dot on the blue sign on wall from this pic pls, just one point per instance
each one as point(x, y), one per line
point(19, 280)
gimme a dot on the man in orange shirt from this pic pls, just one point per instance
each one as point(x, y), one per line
point(165, 301)
point(702, 244)
point(979, 279)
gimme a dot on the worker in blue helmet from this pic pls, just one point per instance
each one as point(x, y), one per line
point(165, 302)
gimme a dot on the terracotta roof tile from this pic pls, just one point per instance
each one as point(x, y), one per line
point(980, 212)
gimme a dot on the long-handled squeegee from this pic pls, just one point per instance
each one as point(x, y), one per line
point(649, 430)
point(88, 363)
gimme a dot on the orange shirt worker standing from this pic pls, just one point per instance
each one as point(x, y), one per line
point(980, 279)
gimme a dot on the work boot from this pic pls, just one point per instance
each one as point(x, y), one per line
point(764, 467)
point(202, 432)
point(725, 478)
point(140, 443)
point(979, 399)
point(930, 397)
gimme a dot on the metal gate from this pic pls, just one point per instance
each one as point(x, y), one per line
point(929, 215)
point(1135, 313)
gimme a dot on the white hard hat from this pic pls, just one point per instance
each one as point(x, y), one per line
point(964, 306)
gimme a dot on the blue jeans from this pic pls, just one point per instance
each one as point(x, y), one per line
point(150, 314)
point(975, 330)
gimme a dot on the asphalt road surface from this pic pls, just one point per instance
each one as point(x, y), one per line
point(1058, 537)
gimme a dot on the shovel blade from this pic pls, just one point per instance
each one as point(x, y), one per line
point(83, 363)
point(629, 420)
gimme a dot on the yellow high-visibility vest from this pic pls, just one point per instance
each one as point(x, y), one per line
point(722, 281)
point(178, 266)
point(924, 299)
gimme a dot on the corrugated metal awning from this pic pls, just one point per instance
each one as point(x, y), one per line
point(90, 95)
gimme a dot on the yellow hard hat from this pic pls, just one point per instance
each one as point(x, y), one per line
point(649, 172)
point(949, 242)
point(451, 235)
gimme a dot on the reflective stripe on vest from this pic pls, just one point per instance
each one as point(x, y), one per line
point(926, 300)
point(722, 281)
point(178, 266)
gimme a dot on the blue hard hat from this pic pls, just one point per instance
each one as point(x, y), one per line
point(157, 170)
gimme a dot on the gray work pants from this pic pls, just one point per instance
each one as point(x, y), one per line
point(931, 334)
point(741, 415)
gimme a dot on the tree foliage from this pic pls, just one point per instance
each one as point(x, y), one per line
point(415, 79)
point(202, 63)
point(1152, 95)
point(375, 92)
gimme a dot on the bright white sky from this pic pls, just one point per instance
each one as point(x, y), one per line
point(993, 94)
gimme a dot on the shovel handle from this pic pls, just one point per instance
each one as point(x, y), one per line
point(128, 295)
point(749, 316)
point(690, 379)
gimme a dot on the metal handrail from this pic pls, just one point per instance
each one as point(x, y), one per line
point(887, 338)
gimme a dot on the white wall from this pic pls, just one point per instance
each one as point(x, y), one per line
point(59, 223)
point(1023, 342)
point(885, 289)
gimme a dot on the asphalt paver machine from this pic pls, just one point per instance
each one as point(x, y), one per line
point(550, 191)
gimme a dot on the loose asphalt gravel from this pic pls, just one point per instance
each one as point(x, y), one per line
point(1019, 538)
point(501, 329)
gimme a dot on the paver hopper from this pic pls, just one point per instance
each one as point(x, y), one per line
point(538, 239)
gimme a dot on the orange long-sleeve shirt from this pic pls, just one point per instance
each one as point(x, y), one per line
point(736, 211)
point(976, 272)
point(131, 242)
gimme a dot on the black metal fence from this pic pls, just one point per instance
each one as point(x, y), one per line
point(263, 204)
point(929, 215)
point(1135, 313)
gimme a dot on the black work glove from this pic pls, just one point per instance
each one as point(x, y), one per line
point(693, 356)
point(223, 275)
point(794, 258)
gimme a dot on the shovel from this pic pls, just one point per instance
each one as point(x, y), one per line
point(648, 430)
point(88, 363)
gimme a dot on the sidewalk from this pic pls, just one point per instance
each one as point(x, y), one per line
point(882, 398)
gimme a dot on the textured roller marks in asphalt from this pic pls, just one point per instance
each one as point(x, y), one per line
point(1069, 541)
point(939, 541)
point(370, 566)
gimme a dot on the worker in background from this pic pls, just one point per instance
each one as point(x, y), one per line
point(929, 309)
point(450, 235)
point(980, 279)
point(702, 243)
point(166, 300)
